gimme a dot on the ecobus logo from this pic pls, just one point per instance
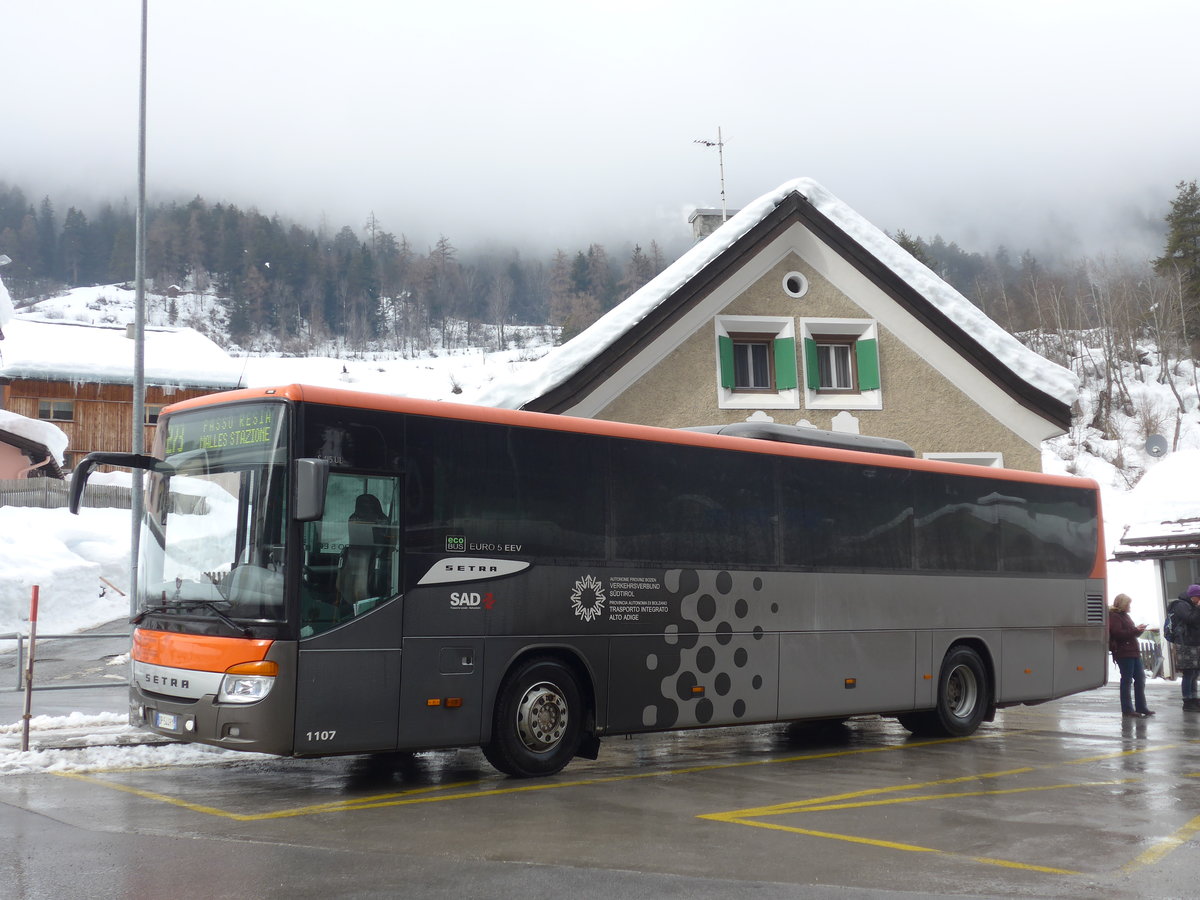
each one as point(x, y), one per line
point(587, 600)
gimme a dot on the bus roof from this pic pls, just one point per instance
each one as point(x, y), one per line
point(813, 437)
point(729, 439)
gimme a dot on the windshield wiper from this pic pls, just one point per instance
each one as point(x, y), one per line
point(243, 630)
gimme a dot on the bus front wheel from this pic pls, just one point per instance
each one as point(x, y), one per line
point(538, 720)
point(963, 697)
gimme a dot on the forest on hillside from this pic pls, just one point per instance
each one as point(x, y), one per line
point(289, 288)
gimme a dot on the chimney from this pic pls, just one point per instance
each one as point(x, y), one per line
point(705, 221)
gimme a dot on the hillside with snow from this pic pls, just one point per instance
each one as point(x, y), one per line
point(190, 327)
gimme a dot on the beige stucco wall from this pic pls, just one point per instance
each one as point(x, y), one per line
point(920, 406)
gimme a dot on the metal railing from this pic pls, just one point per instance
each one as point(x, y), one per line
point(22, 664)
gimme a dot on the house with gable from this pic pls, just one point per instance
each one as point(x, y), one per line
point(798, 311)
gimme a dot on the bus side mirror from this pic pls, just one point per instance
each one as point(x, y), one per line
point(310, 478)
point(79, 477)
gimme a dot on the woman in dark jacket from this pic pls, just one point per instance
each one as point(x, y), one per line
point(1123, 641)
point(1186, 611)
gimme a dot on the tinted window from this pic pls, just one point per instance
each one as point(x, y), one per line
point(353, 438)
point(1048, 528)
point(692, 505)
point(956, 526)
point(839, 516)
point(504, 488)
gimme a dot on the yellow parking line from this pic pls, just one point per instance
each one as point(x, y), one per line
point(959, 795)
point(440, 793)
point(802, 805)
point(849, 800)
point(857, 800)
point(1160, 850)
point(333, 806)
point(894, 845)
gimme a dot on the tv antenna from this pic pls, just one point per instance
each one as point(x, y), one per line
point(720, 145)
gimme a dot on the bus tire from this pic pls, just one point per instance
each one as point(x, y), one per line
point(963, 693)
point(538, 720)
point(963, 697)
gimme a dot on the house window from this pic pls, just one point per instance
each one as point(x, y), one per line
point(752, 368)
point(841, 364)
point(835, 364)
point(756, 363)
point(57, 410)
point(152, 412)
point(795, 284)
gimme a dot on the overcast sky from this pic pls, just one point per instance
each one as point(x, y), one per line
point(552, 123)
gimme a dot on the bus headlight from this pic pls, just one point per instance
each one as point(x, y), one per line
point(247, 682)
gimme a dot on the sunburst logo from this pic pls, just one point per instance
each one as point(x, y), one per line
point(587, 600)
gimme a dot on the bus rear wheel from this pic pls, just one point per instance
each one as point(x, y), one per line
point(538, 720)
point(963, 697)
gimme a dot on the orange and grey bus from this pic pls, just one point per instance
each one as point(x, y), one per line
point(330, 572)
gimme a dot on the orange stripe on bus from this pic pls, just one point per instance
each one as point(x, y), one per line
point(200, 652)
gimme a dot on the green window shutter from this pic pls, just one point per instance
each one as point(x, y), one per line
point(811, 370)
point(785, 364)
point(725, 352)
point(867, 352)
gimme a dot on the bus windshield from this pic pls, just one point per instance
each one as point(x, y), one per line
point(213, 537)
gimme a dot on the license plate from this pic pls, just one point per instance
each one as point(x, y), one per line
point(166, 721)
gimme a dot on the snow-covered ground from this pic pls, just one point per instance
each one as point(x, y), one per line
point(71, 557)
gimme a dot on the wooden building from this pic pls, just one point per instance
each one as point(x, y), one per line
point(80, 377)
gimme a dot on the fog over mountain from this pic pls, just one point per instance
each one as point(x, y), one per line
point(538, 123)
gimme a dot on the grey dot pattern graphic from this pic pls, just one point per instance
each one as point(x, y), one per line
point(718, 646)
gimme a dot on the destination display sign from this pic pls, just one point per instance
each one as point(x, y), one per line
point(241, 427)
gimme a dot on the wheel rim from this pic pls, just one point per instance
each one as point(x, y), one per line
point(962, 692)
point(542, 717)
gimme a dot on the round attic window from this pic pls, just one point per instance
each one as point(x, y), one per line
point(795, 284)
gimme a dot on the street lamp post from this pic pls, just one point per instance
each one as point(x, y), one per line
point(139, 331)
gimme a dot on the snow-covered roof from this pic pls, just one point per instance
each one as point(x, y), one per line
point(35, 431)
point(65, 351)
point(562, 363)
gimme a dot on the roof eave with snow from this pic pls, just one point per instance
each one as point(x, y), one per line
point(90, 376)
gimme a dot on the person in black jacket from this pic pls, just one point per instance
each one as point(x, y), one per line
point(1187, 644)
point(1123, 641)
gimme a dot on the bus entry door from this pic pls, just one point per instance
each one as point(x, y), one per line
point(348, 678)
point(348, 687)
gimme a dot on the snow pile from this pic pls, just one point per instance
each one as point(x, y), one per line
point(47, 434)
point(1168, 492)
point(6, 306)
point(97, 735)
point(66, 557)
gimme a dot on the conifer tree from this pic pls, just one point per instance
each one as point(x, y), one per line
point(73, 245)
point(1181, 256)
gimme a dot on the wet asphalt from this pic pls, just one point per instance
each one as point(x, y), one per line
point(1062, 800)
